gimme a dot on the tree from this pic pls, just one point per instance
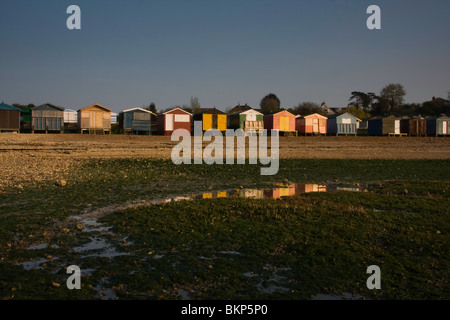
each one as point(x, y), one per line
point(362, 100)
point(151, 107)
point(195, 105)
point(357, 112)
point(270, 103)
point(307, 108)
point(392, 94)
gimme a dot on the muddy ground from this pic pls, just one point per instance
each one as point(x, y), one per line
point(31, 158)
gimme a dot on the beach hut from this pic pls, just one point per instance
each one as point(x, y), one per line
point(9, 118)
point(439, 126)
point(212, 118)
point(342, 123)
point(174, 119)
point(381, 126)
point(94, 118)
point(416, 126)
point(114, 118)
point(137, 120)
point(248, 120)
point(70, 116)
point(25, 120)
point(47, 117)
point(283, 121)
point(311, 124)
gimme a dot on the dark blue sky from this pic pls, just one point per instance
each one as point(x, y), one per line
point(130, 53)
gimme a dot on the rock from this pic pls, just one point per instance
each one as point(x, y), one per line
point(62, 183)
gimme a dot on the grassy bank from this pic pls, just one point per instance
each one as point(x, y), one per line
point(292, 248)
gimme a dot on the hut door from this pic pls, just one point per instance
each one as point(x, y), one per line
point(169, 122)
point(92, 119)
point(284, 123)
point(315, 125)
point(444, 127)
point(397, 127)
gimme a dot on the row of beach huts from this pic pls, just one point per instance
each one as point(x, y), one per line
point(100, 119)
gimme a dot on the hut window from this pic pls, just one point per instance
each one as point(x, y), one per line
point(181, 118)
point(141, 116)
point(347, 120)
point(251, 117)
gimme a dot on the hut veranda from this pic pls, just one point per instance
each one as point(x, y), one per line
point(213, 153)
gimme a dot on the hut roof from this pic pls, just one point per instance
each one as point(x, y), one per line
point(337, 115)
point(245, 110)
point(177, 109)
point(316, 115)
point(271, 114)
point(210, 111)
point(96, 105)
point(239, 109)
point(4, 106)
point(47, 105)
point(138, 109)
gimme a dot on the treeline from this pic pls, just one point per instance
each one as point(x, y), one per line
point(390, 101)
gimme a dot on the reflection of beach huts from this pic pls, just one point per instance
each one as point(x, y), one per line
point(439, 126)
point(381, 126)
point(342, 124)
point(282, 121)
point(311, 124)
point(309, 187)
point(279, 192)
point(9, 118)
point(416, 126)
point(249, 120)
point(137, 120)
point(212, 118)
point(94, 118)
point(172, 120)
point(251, 193)
point(47, 117)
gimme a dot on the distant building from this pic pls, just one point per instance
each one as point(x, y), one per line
point(248, 119)
point(283, 121)
point(137, 120)
point(70, 116)
point(212, 118)
point(342, 124)
point(172, 120)
point(9, 118)
point(114, 118)
point(47, 117)
point(439, 126)
point(326, 110)
point(94, 118)
point(311, 124)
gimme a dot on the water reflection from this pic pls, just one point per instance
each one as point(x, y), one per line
point(282, 190)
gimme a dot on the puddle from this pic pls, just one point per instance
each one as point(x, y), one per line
point(281, 190)
point(229, 252)
point(107, 251)
point(276, 281)
point(184, 294)
point(35, 264)
point(105, 293)
point(42, 246)
point(250, 274)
